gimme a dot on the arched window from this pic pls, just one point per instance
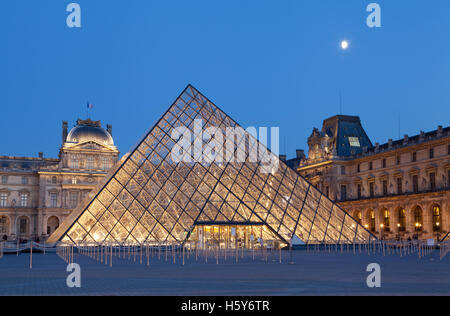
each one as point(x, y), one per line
point(437, 222)
point(386, 220)
point(52, 224)
point(372, 220)
point(4, 226)
point(401, 220)
point(358, 217)
point(418, 219)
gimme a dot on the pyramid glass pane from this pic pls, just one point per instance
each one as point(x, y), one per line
point(152, 198)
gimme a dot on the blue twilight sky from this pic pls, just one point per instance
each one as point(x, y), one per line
point(264, 62)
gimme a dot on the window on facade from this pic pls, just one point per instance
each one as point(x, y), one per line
point(358, 217)
point(370, 165)
point(24, 180)
point(384, 163)
point(354, 142)
point(343, 192)
point(106, 163)
point(436, 218)
point(3, 199)
point(23, 225)
point(73, 199)
point(359, 189)
point(414, 156)
point(4, 179)
point(402, 220)
point(3, 225)
point(386, 220)
point(432, 181)
point(54, 180)
point(74, 180)
point(23, 199)
point(448, 150)
point(372, 189)
point(372, 220)
point(342, 169)
point(398, 160)
point(385, 187)
point(358, 168)
point(90, 162)
point(53, 199)
point(415, 181)
point(431, 153)
point(74, 163)
point(418, 219)
point(399, 185)
point(327, 191)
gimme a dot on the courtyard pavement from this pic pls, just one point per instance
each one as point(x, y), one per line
point(309, 273)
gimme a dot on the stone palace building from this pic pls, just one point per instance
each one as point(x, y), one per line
point(37, 194)
point(400, 189)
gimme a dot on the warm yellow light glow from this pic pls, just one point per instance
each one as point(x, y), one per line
point(381, 225)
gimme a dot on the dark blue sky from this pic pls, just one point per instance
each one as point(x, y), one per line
point(265, 63)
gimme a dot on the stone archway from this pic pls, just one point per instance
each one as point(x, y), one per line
point(52, 224)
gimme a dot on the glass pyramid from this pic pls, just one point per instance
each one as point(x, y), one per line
point(150, 198)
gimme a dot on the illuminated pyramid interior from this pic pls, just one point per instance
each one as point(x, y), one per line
point(150, 198)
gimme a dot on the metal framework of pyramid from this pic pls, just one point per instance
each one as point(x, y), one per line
point(150, 198)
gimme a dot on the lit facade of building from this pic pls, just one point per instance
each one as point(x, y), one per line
point(152, 198)
point(37, 194)
point(400, 189)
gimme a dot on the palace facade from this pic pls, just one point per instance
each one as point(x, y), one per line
point(37, 194)
point(400, 189)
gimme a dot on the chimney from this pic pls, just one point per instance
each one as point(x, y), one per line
point(422, 136)
point(300, 153)
point(283, 158)
point(390, 143)
point(377, 147)
point(405, 139)
point(64, 131)
point(439, 131)
point(41, 155)
point(109, 129)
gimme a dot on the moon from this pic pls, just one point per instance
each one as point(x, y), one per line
point(344, 44)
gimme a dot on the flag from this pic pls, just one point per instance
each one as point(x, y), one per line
point(90, 106)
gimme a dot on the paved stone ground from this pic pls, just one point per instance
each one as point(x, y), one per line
point(310, 274)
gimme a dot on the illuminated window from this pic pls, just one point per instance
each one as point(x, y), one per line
point(372, 220)
point(436, 218)
point(354, 142)
point(402, 220)
point(4, 179)
point(358, 217)
point(387, 220)
point(418, 219)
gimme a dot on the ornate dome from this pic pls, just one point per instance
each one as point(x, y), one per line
point(89, 131)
